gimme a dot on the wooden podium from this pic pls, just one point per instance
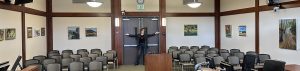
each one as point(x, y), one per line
point(158, 62)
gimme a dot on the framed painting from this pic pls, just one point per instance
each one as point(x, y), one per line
point(228, 31)
point(287, 34)
point(190, 30)
point(73, 33)
point(1, 34)
point(242, 30)
point(10, 34)
point(29, 32)
point(91, 32)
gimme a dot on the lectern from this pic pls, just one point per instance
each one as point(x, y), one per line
point(158, 62)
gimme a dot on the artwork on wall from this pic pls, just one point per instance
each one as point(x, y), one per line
point(1, 34)
point(287, 34)
point(73, 33)
point(43, 31)
point(228, 31)
point(10, 34)
point(190, 30)
point(37, 32)
point(29, 32)
point(91, 32)
point(242, 30)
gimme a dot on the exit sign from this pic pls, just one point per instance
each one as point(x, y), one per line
point(140, 6)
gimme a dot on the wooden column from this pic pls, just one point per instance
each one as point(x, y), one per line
point(162, 29)
point(23, 27)
point(49, 25)
point(257, 26)
point(116, 30)
point(217, 24)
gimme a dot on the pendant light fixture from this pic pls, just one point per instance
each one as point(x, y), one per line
point(194, 4)
point(94, 3)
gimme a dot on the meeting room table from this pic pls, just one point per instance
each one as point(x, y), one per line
point(292, 67)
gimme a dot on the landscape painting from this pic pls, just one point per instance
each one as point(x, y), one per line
point(10, 34)
point(91, 32)
point(29, 32)
point(73, 33)
point(287, 34)
point(190, 30)
point(242, 30)
point(1, 34)
point(228, 31)
point(37, 32)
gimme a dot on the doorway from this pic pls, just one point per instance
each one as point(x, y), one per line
point(132, 25)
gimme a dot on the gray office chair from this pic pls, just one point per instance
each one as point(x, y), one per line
point(213, 49)
point(95, 66)
point(224, 51)
point(111, 59)
point(65, 62)
point(66, 55)
point(46, 62)
point(263, 57)
point(104, 61)
point(170, 51)
point(86, 61)
point(194, 48)
point(205, 47)
point(173, 47)
point(68, 51)
point(96, 51)
point(202, 52)
point(81, 50)
point(76, 66)
point(53, 51)
point(212, 52)
point(184, 47)
point(212, 55)
point(93, 56)
point(76, 57)
point(235, 61)
point(175, 55)
point(52, 54)
point(189, 52)
point(84, 54)
point(199, 55)
point(57, 58)
point(201, 60)
point(31, 62)
point(54, 67)
point(41, 58)
point(217, 60)
point(224, 55)
point(232, 51)
point(240, 55)
point(185, 60)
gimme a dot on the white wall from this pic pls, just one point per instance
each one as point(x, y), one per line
point(68, 6)
point(35, 45)
point(10, 49)
point(131, 5)
point(175, 31)
point(38, 5)
point(60, 35)
point(239, 42)
point(227, 5)
point(269, 35)
point(176, 6)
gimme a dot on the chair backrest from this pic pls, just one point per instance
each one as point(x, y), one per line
point(224, 55)
point(52, 54)
point(113, 52)
point(213, 49)
point(66, 55)
point(170, 51)
point(212, 55)
point(68, 51)
point(175, 54)
point(202, 52)
point(184, 57)
point(189, 52)
point(96, 51)
point(233, 60)
point(95, 66)
point(41, 58)
point(249, 62)
point(183, 50)
point(274, 65)
point(205, 47)
point(76, 57)
point(93, 56)
point(212, 52)
point(65, 62)
point(54, 51)
point(200, 60)
point(102, 59)
point(57, 58)
point(199, 55)
point(76, 66)
point(173, 47)
point(263, 57)
point(232, 51)
point(251, 53)
point(82, 50)
point(31, 62)
point(217, 60)
point(184, 47)
point(86, 60)
point(240, 55)
point(195, 47)
point(224, 51)
point(54, 67)
point(84, 54)
point(48, 61)
point(110, 56)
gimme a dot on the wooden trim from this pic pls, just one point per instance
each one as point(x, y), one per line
point(239, 11)
point(23, 27)
point(49, 25)
point(217, 24)
point(257, 26)
point(142, 14)
point(66, 14)
point(21, 9)
point(162, 29)
point(190, 14)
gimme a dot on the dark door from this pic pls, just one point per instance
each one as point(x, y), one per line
point(132, 25)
